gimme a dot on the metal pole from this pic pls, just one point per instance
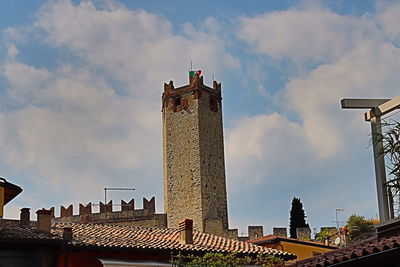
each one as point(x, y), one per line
point(337, 222)
point(105, 205)
point(380, 173)
point(337, 219)
point(105, 198)
point(391, 206)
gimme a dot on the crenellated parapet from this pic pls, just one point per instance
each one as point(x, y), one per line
point(127, 214)
point(66, 212)
point(85, 209)
point(252, 233)
point(126, 206)
point(178, 98)
point(106, 208)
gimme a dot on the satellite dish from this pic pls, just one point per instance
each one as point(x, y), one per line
point(337, 241)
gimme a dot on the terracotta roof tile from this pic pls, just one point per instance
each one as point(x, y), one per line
point(271, 238)
point(101, 235)
point(13, 232)
point(368, 247)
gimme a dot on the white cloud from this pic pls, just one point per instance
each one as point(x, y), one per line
point(303, 36)
point(96, 120)
point(135, 47)
point(389, 19)
point(355, 64)
point(12, 50)
point(257, 147)
point(313, 148)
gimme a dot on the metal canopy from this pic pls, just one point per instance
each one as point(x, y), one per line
point(383, 108)
point(359, 103)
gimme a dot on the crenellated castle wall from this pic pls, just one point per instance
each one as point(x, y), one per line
point(127, 215)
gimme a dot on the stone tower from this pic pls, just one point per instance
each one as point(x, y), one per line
point(193, 156)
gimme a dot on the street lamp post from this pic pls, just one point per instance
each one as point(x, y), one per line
point(374, 116)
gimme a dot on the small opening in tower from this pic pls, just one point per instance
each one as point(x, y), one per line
point(177, 101)
point(213, 104)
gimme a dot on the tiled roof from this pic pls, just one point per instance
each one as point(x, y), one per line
point(368, 247)
point(14, 233)
point(117, 236)
point(274, 238)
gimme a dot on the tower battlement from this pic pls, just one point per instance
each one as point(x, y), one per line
point(173, 97)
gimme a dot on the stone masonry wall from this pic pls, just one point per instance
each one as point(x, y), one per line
point(215, 211)
point(182, 179)
point(194, 170)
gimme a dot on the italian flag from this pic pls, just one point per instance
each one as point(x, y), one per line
point(192, 72)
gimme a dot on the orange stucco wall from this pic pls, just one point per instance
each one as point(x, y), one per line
point(302, 251)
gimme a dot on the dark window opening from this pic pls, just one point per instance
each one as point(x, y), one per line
point(213, 104)
point(177, 101)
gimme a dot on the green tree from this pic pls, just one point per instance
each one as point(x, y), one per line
point(359, 228)
point(226, 260)
point(324, 235)
point(297, 217)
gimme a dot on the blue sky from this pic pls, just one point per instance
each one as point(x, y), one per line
point(81, 83)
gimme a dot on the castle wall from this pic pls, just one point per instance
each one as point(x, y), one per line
point(128, 215)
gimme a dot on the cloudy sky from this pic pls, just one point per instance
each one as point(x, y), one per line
point(81, 83)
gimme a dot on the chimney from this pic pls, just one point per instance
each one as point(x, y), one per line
point(44, 220)
point(25, 217)
point(185, 228)
point(67, 233)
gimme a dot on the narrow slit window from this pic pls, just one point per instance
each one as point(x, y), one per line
point(177, 101)
point(213, 104)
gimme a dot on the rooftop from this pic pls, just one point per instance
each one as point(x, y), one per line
point(371, 247)
point(274, 238)
point(131, 237)
point(10, 231)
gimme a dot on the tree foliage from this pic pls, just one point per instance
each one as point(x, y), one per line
point(326, 235)
point(226, 260)
point(297, 217)
point(359, 228)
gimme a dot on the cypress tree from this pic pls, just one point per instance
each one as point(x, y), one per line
point(297, 217)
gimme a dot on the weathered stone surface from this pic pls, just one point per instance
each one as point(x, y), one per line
point(279, 231)
point(255, 231)
point(193, 155)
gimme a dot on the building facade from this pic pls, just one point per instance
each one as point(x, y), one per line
point(193, 156)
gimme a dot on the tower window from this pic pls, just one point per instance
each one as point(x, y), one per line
point(177, 101)
point(213, 104)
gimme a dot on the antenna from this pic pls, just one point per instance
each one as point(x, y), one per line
point(105, 197)
point(191, 67)
point(213, 77)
